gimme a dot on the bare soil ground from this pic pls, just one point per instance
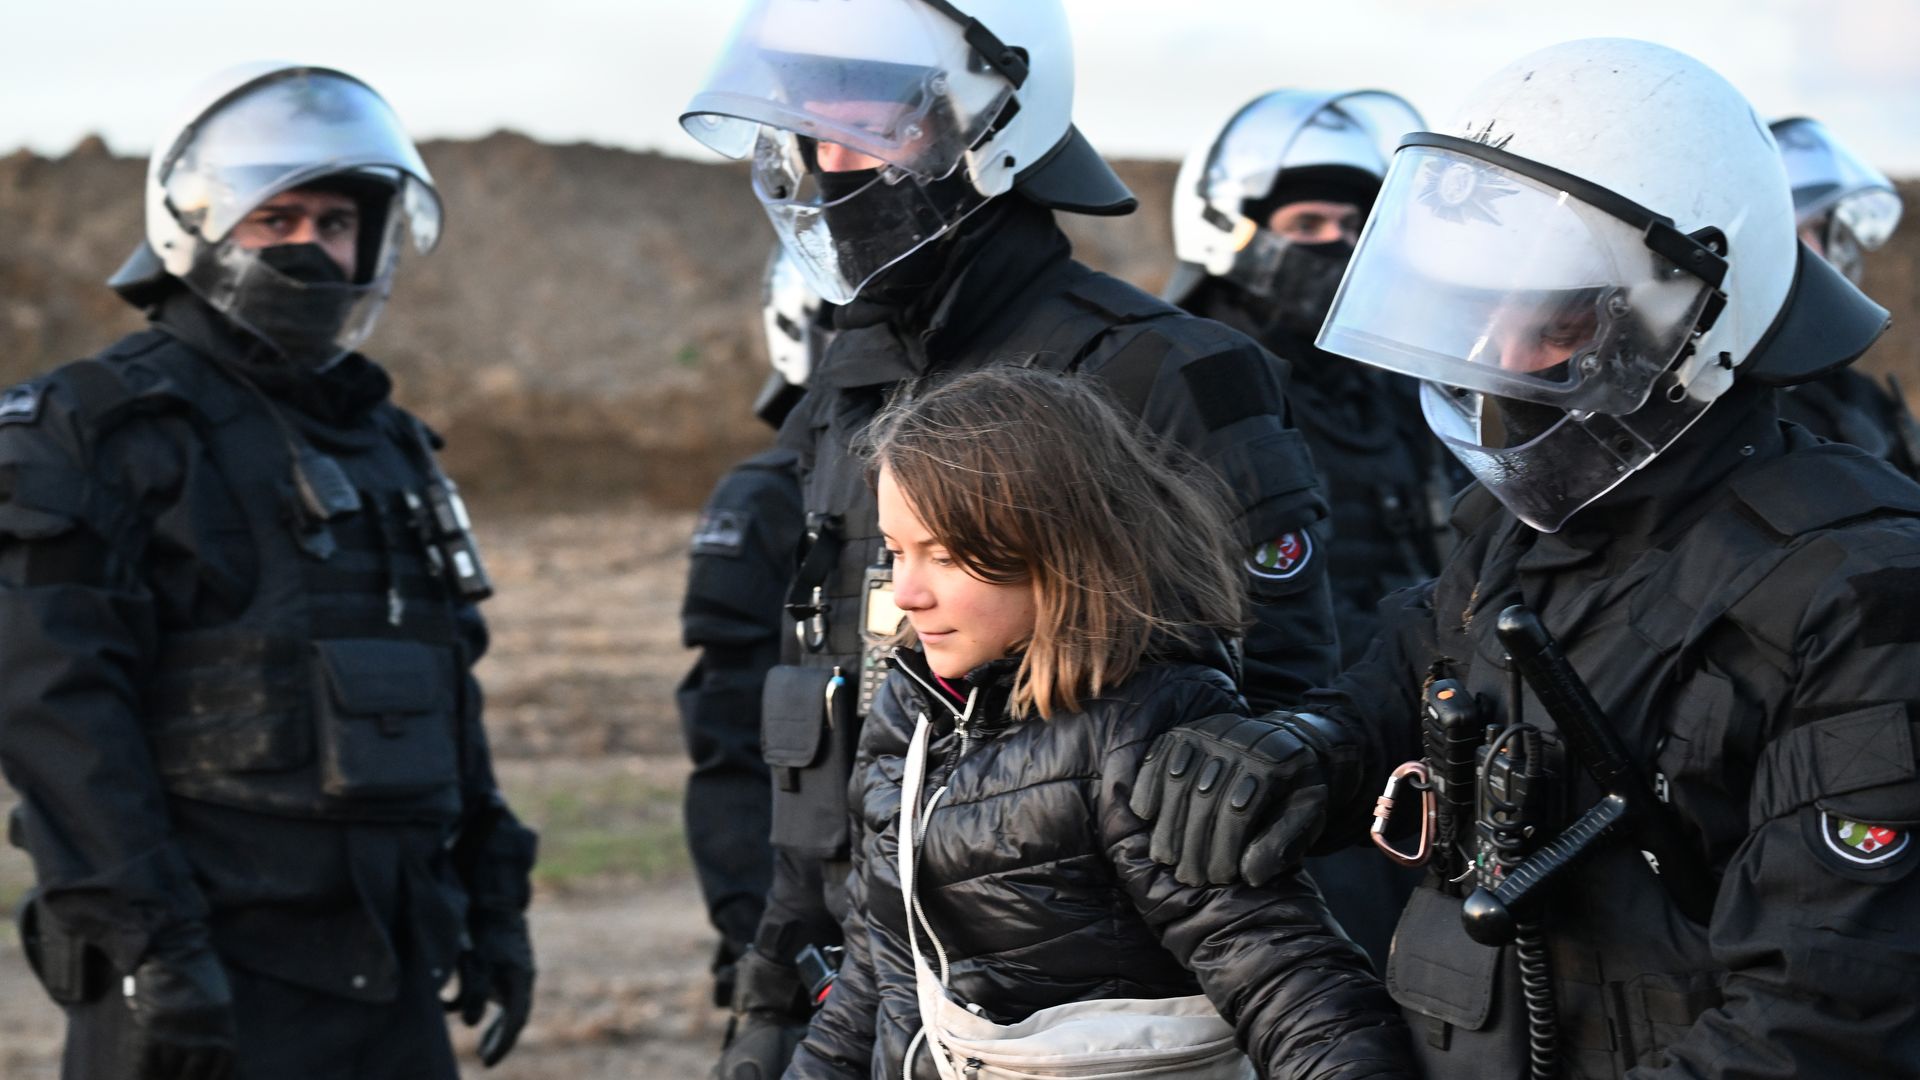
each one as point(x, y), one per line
point(580, 681)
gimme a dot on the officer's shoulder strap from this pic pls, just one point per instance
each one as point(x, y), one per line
point(132, 377)
point(1755, 567)
point(1822, 486)
point(1096, 305)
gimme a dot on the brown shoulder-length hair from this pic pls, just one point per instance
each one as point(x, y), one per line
point(1028, 476)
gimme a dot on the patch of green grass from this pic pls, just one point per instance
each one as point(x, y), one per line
point(571, 856)
point(688, 356)
point(602, 827)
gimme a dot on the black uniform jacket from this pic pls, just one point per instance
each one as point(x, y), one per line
point(1034, 874)
point(1387, 479)
point(741, 558)
point(1016, 295)
point(122, 536)
point(1744, 611)
point(1848, 406)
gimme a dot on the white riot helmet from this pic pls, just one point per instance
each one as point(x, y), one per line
point(1231, 181)
point(1845, 206)
point(798, 326)
point(793, 313)
point(953, 108)
point(1578, 269)
point(247, 135)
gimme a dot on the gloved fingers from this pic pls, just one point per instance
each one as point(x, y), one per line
point(1242, 805)
point(1280, 847)
point(1181, 766)
point(470, 1001)
point(516, 1005)
point(1150, 782)
point(1214, 776)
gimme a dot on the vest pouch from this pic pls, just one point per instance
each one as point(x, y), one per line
point(384, 717)
point(1466, 1025)
point(808, 734)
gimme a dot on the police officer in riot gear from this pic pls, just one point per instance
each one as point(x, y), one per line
point(1265, 215)
point(911, 155)
point(1595, 272)
point(1846, 208)
point(741, 558)
point(237, 633)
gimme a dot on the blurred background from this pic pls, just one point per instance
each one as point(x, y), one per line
point(587, 338)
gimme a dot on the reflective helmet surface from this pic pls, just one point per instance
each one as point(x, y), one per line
point(945, 108)
point(1247, 156)
point(1576, 268)
point(1844, 205)
point(252, 133)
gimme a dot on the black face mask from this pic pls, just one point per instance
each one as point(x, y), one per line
point(301, 321)
point(889, 210)
point(1300, 292)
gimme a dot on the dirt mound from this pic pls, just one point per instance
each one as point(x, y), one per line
point(588, 327)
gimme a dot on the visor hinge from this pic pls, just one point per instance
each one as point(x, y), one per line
point(1694, 253)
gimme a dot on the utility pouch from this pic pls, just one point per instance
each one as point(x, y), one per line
point(58, 959)
point(384, 716)
point(808, 735)
point(1436, 969)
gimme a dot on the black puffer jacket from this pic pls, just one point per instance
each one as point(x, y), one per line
point(1036, 877)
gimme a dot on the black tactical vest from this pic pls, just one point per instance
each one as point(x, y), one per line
point(1672, 646)
point(336, 694)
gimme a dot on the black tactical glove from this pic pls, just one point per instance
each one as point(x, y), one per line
point(770, 1014)
point(498, 968)
point(182, 1014)
point(1208, 786)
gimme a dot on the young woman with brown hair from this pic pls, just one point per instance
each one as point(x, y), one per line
point(1070, 596)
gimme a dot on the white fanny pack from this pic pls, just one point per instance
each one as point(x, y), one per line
point(1109, 1039)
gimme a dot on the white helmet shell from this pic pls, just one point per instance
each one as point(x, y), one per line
point(1658, 127)
point(1249, 151)
point(371, 141)
point(791, 313)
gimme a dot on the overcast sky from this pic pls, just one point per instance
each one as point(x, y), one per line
point(1152, 73)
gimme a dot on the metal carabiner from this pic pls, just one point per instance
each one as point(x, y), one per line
point(1383, 813)
point(811, 631)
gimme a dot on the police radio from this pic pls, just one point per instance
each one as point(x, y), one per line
point(879, 626)
point(440, 517)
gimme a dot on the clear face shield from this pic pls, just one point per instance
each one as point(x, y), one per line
point(1281, 131)
point(859, 117)
point(1844, 206)
point(1546, 316)
point(299, 131)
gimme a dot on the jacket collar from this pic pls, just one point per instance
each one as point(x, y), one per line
point(987, 691)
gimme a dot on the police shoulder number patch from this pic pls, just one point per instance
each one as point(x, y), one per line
point(20, 404)
point(1860, 843)
point(720, 532)
point(1282, 557)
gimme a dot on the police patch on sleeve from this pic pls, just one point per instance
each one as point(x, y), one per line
point(1282, 557)
point(720, 532)
point(20, 404)
point(1860, 843)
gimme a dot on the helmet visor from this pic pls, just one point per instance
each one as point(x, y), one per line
point(843, 228)
point(1476, 275)
point(298, 126)
point(892, 79)
point(1545, 464)
point(1825, 175)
